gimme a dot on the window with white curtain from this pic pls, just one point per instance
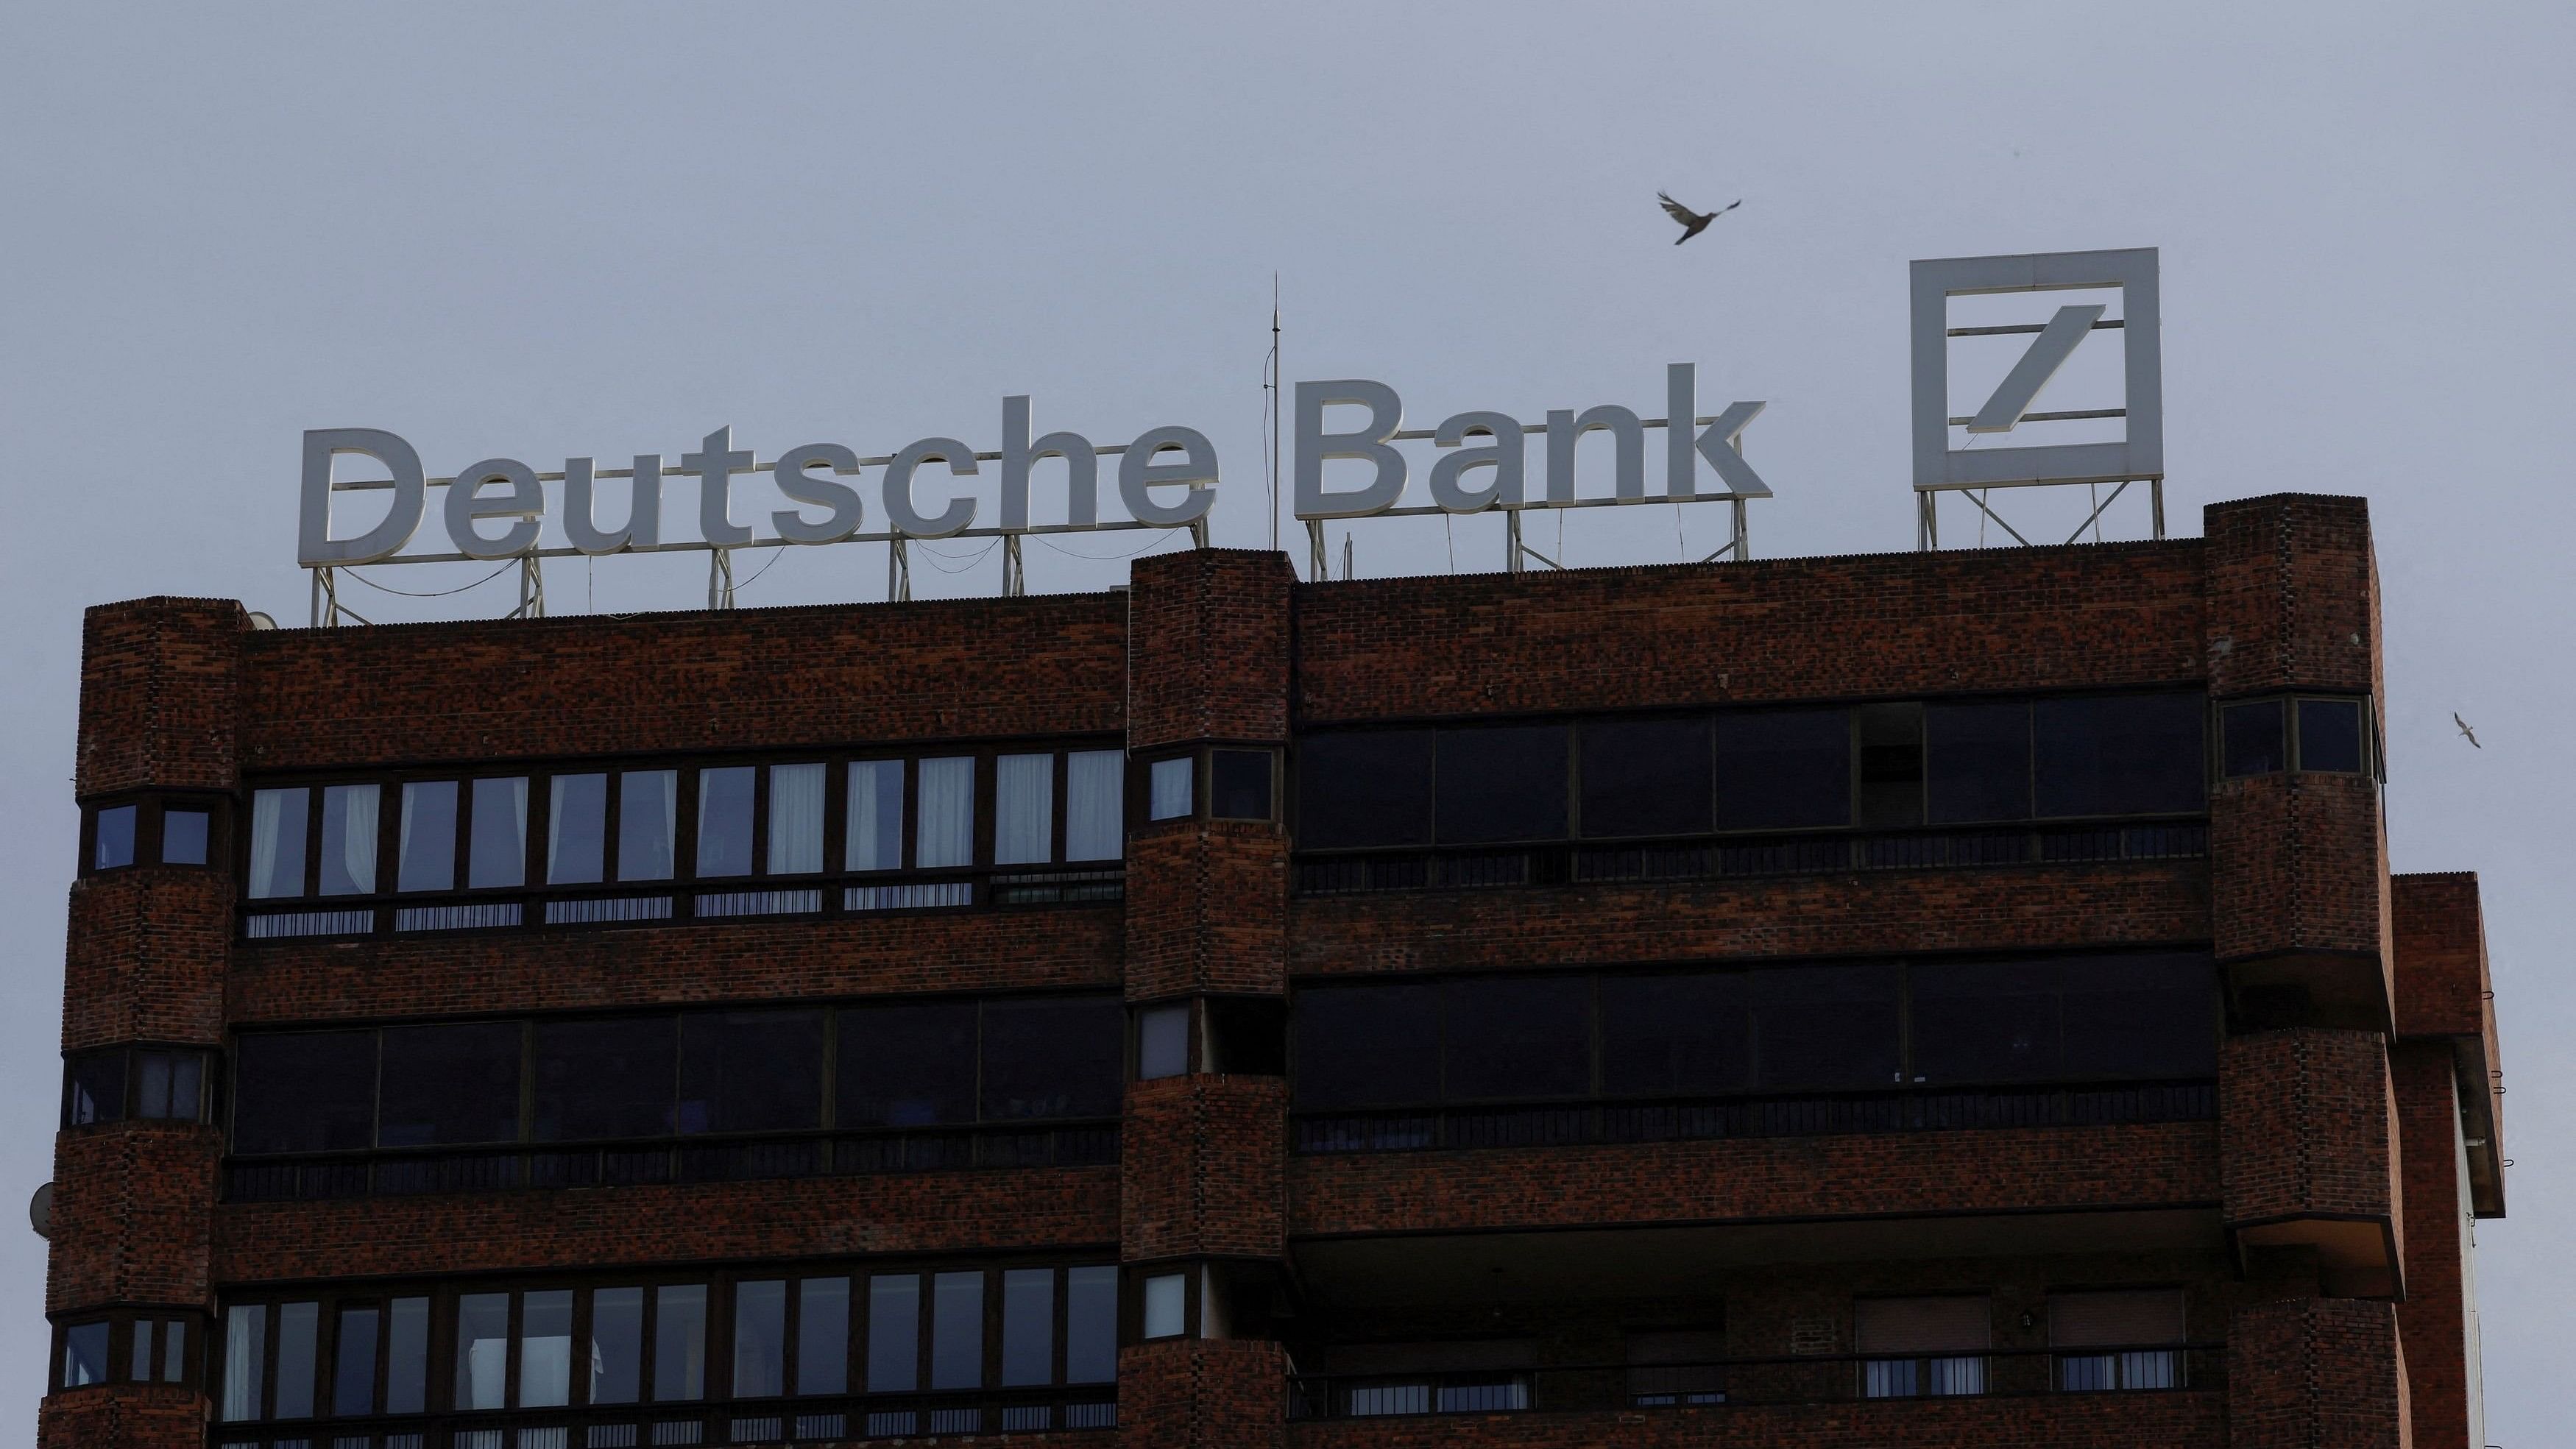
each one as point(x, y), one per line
point(944, 813)
point(577, 830)
point(1023, 809)
point(795, 819)
point(648, 816)
point(1095, 805)
point(427, 854)
point(1167, 792)
point(349, 839)
point(876, 815)
point(277, 842)
point(245, 1357)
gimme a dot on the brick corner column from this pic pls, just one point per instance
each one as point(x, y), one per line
point(2316, 1371)
point(2308, 1154)
point(145, 951)
point(1198, 1393)
point(2300, 901)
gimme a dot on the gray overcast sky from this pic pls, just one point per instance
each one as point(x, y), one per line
point(604, 229)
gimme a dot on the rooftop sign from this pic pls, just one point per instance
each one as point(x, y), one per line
point(1345, 465)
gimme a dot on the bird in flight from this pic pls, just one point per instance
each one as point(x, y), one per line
point(1693, 222)
point(2464, 729)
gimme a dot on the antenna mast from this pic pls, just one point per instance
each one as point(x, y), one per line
point(1270, 385)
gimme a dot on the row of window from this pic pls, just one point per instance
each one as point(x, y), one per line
point(115, 1084)
point(1875, 766)
point(2300, 732)
point(714, 822)
point(134, 1348)
point(734, 1336)
point(903, 1064)
point(1792, 1028)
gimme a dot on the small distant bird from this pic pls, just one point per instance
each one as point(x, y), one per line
point(2464, 729)
point(1693, 222)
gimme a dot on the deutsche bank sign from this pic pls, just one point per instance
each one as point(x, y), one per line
point(1345, 465)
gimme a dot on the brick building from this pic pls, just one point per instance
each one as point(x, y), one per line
point(1934, 999)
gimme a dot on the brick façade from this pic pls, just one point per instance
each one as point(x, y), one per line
point(1223, 647)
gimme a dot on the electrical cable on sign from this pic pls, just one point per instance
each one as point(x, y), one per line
point(764, 568)
point(967, 561)
point(1112, 557)
point(352, 572)
point(1452, 533)
point(1681, 540)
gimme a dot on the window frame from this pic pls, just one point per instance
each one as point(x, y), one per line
point(151, 837)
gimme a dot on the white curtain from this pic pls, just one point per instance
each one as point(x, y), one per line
point(876, 815)
point(1024, 809)
point(945, 814)
point(350, 811)
point(1168, 788)
point(245, 1349)
point(648, 820)
point(271, 812)
point(1094, 814)
point(795, 819)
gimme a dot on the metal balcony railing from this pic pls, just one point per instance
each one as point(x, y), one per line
point(1724, 857)
point(764, 1421)
point(405, 1171)
point(749, 898)
point(1638, 1120)
point(1802, 1379)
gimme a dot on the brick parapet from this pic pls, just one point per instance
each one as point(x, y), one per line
point(2293, 595)
point(995, 1210)
point(1201, 1165)
point(2444, 993)
point(1776, 629)
point(159, 703)
point(938, 670)
point(1209, 644)
point(123, 1416)
point(2314, 1372)
point(2013, 1170)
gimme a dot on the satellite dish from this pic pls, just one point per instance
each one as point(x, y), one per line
point(262, 620)
point(40, 1211)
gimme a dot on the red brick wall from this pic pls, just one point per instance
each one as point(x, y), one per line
point(1197, 1393)
point(2432, 1321)
point(1200, 1168)
point(159, 695)
point(123, 1416)
point(2309, 1134)
point(947, 669)
point(2163, 902)
point(2188, 1420)
point(130, 1207)
point(1811, 628)
point(1207, 909)
point(660, 965)
point(1208, 651)
point(933, 1212)
point(2170, 1164)
point(2293, 595)
point(2316, 1372)
point(143, 957)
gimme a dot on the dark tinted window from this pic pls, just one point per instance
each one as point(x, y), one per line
point(1517, 1038)
point(446, 1084)
point(2141, 1016)
point(605, 1078)
point(1976, 762)
point(1891, 764)
point(1780, 769)
point(2252, 739)
point(751, 1071)
point(1365, 1046)
point(1987, 1022)
point(115, 844)
point(1239, 784)
point(1645, 777)
point(724, 821)
point(94, 1087)
point(2330, 735)
point(1053, 1058)
point(907, 1066)
point(1824, 1026)
point(1674, 1034)
point(2118, 755)
point(1502, 784)
point(304, 1091)
point(1364, 789)
point(183, 836)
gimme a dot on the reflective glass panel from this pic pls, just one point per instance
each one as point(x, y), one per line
point(1091, 1324)
point(1824, 1026)
point(760, 1338)
point(1239, 784)
point(1023, 809)
point(428, 858)
point(183, 836)
point(1367, 1046)
point(1095, 805)
point(823, 1336)
point(1369, 788)
point(957, 1330)
point(114, 838)
point(1976, 762)
point(679, 1342)
point(353, 1377)
point(497, 856)
point(907, 1066)
point(482, 1350)
point(1783, 769)
point(2253, 738)
point(1028, 1326)
point(894, 1333)
point(577, 830)
point(277, 842)
point(2137, 754)
point(407, 1356)
point(616, 1345)
point(1645, 777)
point(349, 839)
point(306, 1091)
point(724, 821)
point(1053, 1058)
point(944, 814)
point(605, 1078)
point(2329, 735)
point(450, 1084)
point(545, 1349)
point(795, 819)
point(1498, 784)
point(1675, 1034)
point(876, 815)
point(1510, 1037)
point(648, 814)
point(1167, 788)
point(751, 1071)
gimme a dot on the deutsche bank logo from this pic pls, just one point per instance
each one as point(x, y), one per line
point(1986, 459)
